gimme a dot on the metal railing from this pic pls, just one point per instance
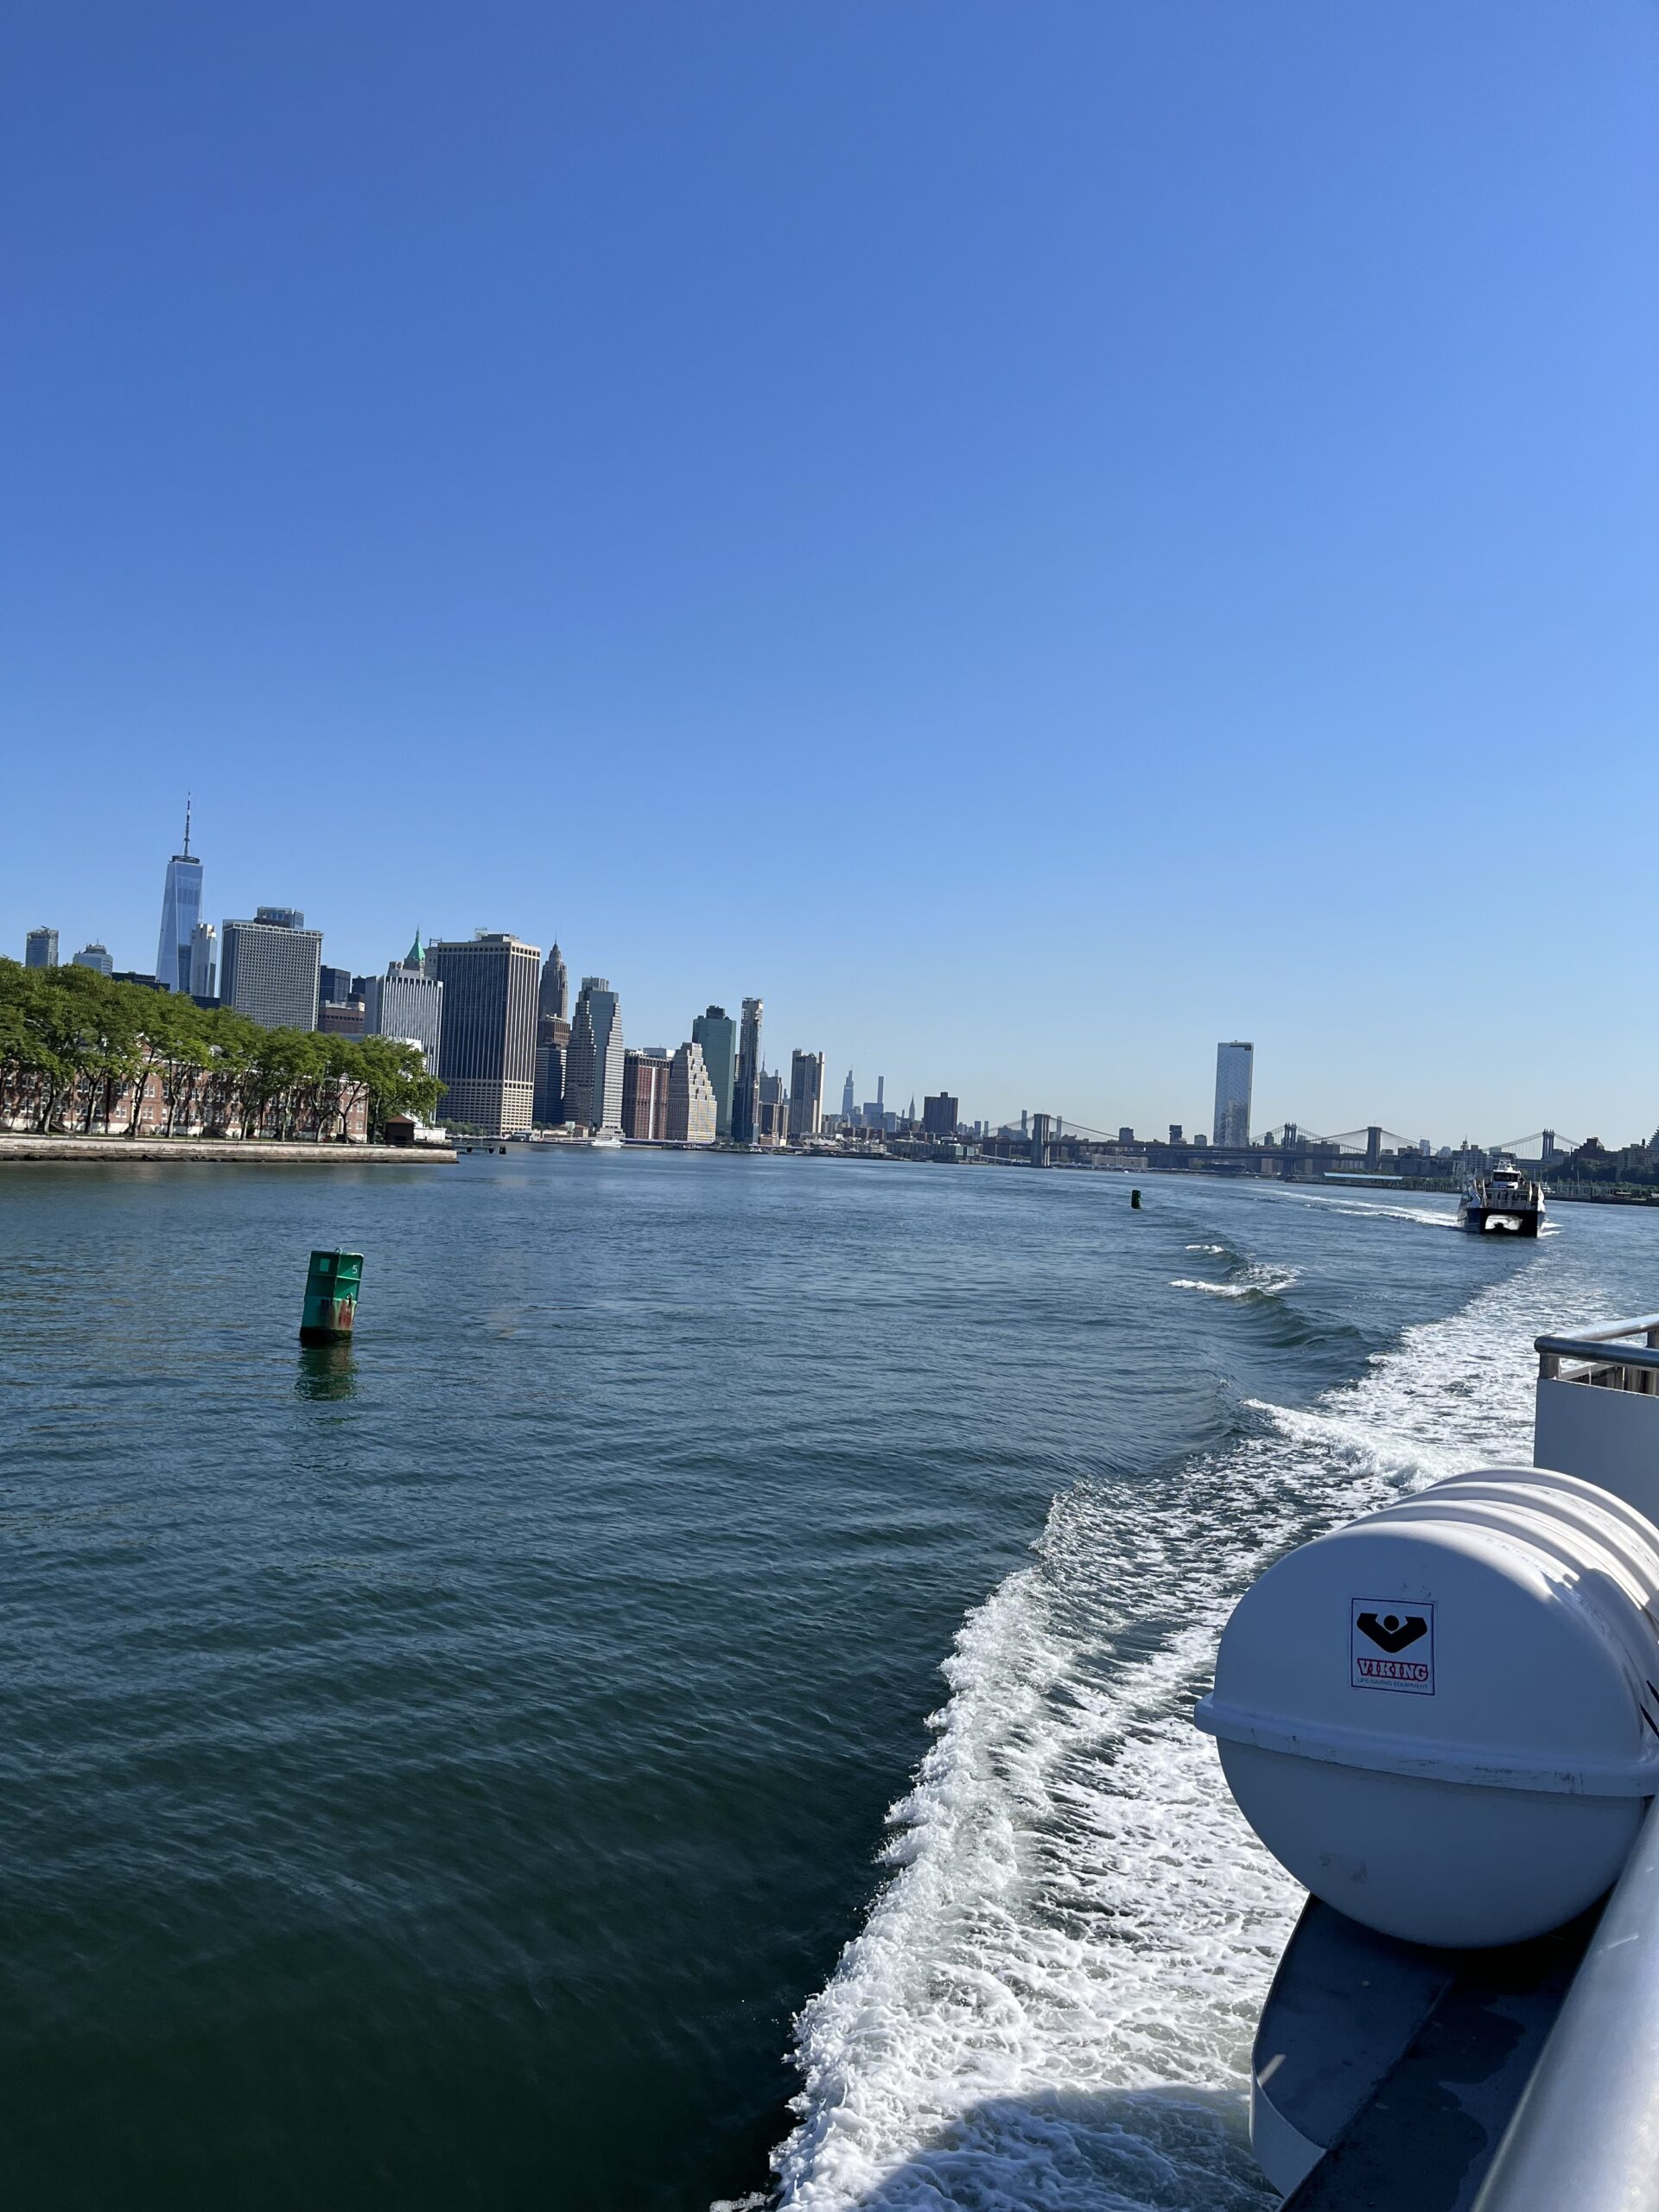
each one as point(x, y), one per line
point(1585, 2133)
point(1630, 1367)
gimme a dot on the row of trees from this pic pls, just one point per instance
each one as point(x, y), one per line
point(1631, 1165)
point(74, 1046)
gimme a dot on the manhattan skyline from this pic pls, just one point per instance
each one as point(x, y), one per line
point(1034, 542)
point(584, 1078)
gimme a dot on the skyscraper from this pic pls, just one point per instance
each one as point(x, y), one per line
point(771, 1109)
point(746, 1089)
point(204, 961)
point(269, 967)
point(40, 949)
point(180, 911)
point(692, 1111)
point(805, 1094)
point(555, 995)
point(645, 1094)
point(593, 1079)
point(848, 1101)
point(940, 1115)
point(406, 1003)
point(96, 957)
point(552, 1056)
point(552, 1042)
point(486, 1042)
point(716, 1033)
point(1235, 1066)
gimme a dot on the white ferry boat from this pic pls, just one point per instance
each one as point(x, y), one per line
point(606, 1140)
point(1505, 1200)
point(1443, 1720)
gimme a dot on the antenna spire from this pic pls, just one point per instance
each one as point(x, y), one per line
point(186, 825)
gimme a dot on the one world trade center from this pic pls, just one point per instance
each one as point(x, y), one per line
point(180, 911)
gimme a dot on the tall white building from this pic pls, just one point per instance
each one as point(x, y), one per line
point(270, 969)
point(204, 961)
point(95, 956)
point(1235, 1065)
point(593, 1073)
point(406, 1003)
point(805, 1094)
point(693, 1107)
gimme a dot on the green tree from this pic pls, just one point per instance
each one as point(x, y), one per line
point(111, 1050)
point(396, 1079)
point(176, 1031)
point(72, 1041)
point(52, 1021)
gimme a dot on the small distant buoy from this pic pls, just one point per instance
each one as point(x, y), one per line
point(331, 1287)
point(1134, 1201)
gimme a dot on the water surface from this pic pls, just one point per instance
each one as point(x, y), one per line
point(460, 1773)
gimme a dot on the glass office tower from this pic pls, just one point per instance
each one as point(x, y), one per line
point(180, 911)
point(1235, 1066)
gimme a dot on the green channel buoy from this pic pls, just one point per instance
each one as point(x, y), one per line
point(1134, 1201)
point(331, 1288)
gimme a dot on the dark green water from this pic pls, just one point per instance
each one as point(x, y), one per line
point(440, 1777)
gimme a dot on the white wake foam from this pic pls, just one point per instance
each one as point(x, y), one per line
point(1258, 1280)
point(1052, 1999)
point(1426, 1216)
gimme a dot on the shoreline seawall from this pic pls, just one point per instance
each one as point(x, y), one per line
point(230, 1152)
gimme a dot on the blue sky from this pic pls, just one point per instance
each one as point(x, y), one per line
point(1035, 537)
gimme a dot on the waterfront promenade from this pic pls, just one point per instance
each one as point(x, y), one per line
point(230, 1152)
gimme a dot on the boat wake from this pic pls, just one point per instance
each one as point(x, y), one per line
point(1254, 1279)
point(1052, 1999)
point(1424, 1217)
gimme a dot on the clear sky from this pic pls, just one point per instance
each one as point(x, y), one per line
point(1034, 536)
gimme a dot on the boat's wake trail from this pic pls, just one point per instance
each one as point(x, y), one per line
point(1051, 2002)
point(1372, 1210)
point(1251, 1278)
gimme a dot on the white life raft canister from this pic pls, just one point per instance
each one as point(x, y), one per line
point(1443, 1718)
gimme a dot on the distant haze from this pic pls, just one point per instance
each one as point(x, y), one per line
point(1033, 539)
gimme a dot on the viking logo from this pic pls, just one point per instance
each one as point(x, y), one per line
point(1389, 1648)
point(1393, 1632)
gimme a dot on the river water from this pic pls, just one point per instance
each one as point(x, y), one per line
point(693, 1707)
